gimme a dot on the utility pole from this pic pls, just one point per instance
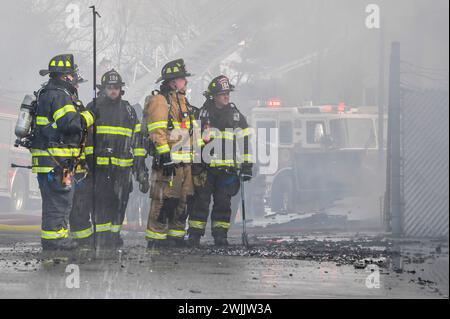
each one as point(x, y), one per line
point(394, 173)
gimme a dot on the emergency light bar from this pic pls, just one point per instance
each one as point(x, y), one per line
point(274, 103)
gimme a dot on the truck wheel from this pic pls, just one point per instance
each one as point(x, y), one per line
point(19, 194)
point(282, 198)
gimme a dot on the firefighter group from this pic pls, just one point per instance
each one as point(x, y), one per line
point(87, 157)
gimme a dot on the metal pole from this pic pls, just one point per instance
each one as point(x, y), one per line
point(395, 145)
point(381, 101)
point(94, 137)
point(244, 219)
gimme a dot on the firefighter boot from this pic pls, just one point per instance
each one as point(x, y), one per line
point(61, 244)
point(85, 243)
point(157, 244)
point(117, 240)
point(194, 240)
point(176, 242)
point(220, 241)
point(104, 241)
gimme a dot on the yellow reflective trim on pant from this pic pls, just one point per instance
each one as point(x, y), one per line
point(115, 130)
point(101, 228)
point(88, 117)
point(41, 170)
point(244, 133)
point(139, 152)
point(155, 235)
point(62, 233)
point(115, 161)
point(163, 149)
point(176, 233)
point(222, 163)
point(42, 120)
point(116, 228)
point(82, 233)
point(89, 150)
point(57, 152)
point(197, 224)
point(63, 111)
point(138, 128)
point(223, 225)
point(157, 125)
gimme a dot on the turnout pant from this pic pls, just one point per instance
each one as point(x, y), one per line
point(80, 217)
point(112, 192)
point(167, 217)
point(113, 188)
point(221, 186)
point(56, 207)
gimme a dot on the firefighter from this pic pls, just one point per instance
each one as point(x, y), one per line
point(170, 127)
point(79, 220)
point(216, 175)
point(117, 158)
point(56, 149)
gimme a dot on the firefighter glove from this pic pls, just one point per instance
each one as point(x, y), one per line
point(167, 165)
point(247, 172)
point(144, 184)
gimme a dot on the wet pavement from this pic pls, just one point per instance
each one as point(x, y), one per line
point(316, 265)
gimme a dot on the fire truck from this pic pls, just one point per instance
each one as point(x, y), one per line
point(18, 185)
point(320, 154)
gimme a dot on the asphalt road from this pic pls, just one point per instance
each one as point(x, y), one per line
point(314, 266)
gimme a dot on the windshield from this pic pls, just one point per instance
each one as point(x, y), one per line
point(353, 133)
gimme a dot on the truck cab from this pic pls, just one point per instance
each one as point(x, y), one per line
point(324, 153)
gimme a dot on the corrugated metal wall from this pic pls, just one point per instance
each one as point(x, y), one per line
point(425, 163)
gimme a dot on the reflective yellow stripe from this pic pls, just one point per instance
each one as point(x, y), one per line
point(63, 233)
point(157, 125)
point(101, 228)
point(201, 142)
point(176, 233)
point(163, 149)
point(82, 233)
point(222, 135)
point(244, 132)
point(155, 235)
point(196, 124)
point(114, 130)
point(197, 224)
point(57, 152)
point(137, 128)
point(221, 163)
point(102, 160)
point(41, 170)
point(42, 120)
point(248, 158)
point(122, 162)
point(116, 228)
point(89, 150)
point(63, 111)
point(224, 225)
point(88, 117)
point(182, 157)
point(139, 152)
